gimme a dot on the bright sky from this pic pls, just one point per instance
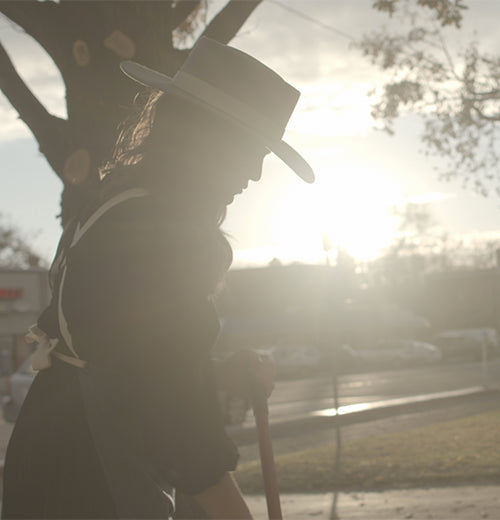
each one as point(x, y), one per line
point(360, 172)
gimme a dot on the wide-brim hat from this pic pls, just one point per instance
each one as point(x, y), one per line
point(237, 87)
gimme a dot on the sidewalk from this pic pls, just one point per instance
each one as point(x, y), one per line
point(453, 503)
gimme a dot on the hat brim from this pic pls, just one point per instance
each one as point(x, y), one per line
point(154, 79)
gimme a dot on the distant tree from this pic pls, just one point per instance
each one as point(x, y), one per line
point(15, 249)
point(87, 39)
point(456, 95)
point(421, 245)
point(418, 243)
point(417, 229)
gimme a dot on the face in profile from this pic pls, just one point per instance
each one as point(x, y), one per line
point(213, 157)
point(231, 158)
point(241, 161)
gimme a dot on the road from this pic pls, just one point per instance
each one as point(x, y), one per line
point(292, 397)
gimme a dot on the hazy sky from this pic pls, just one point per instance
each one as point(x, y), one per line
point(360, 172)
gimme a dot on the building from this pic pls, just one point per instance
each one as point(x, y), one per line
point(464, 299)
point(24, 293)
point(312, 304)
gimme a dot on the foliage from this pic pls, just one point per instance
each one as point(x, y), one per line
point(421, 236)
point(15, 249)
point(422, 246)
point(417, 229)
point(456, 94)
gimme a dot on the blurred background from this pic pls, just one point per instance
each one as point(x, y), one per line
point(381, 281)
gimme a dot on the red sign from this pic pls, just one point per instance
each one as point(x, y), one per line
point(10, 294)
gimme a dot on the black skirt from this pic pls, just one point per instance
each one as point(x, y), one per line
point(54, 467)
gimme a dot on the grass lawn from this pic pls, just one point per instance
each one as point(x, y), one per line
point(453, 452)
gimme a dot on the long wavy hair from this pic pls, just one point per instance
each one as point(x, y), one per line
point(156, 119)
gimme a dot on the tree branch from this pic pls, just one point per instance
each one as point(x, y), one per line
point(48, 130)
point(487, 96)
point(447, 54)
point(31, 15)
point(229, 21)
point(39, 20)
point(495, 118)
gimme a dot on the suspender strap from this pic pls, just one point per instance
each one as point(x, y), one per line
point(121, 197)
point(48, 351)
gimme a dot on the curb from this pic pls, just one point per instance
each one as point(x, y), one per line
point(357, 413)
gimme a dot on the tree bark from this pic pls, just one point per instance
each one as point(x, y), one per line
point(48, 130)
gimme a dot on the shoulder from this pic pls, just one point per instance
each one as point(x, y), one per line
point(120, 218)
point(137, 231)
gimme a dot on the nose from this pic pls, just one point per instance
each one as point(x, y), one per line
point(256, 169)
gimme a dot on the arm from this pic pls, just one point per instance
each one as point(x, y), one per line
point(223, 500)
point(141, 318)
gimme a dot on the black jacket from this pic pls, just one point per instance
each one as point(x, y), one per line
point(105, 440)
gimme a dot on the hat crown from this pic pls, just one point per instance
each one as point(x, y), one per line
point(244, 79)
point(234, 85)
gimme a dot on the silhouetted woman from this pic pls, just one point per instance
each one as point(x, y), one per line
point(124, 407)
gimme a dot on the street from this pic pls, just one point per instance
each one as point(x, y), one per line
point(292, 397)
point(299, 396)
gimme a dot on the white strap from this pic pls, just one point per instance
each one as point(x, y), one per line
point(63, 324)
point(76, 362)
point(79, 232)
point(41, 359)
point(129, 194)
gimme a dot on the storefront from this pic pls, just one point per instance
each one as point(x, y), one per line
point(23, 295)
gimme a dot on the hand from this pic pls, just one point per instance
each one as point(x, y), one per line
point(238, 373)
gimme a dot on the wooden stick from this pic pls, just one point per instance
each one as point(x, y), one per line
point(261, 413)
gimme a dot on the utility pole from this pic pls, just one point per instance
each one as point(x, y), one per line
point(333, 354)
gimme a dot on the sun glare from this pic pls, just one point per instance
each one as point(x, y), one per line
point(333, 109)
point(351, 208)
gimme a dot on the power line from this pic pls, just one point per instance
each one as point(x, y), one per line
point(308, 18)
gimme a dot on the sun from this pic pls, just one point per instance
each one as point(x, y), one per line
point(353, 211)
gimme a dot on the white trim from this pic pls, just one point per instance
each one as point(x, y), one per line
point(79, 232)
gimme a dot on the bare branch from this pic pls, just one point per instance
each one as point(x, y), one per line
point(487, 96)
point(38, 19)
point(484, 116)
point(229, 21)
point(449, 59)
point(47, 129)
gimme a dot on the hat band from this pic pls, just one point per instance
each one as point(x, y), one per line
point(226, 104)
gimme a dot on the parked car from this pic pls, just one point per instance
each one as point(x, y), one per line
point(468, 343)
point(234, 409)
point(293, 360)
point(395, 353)
point(18, 385)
